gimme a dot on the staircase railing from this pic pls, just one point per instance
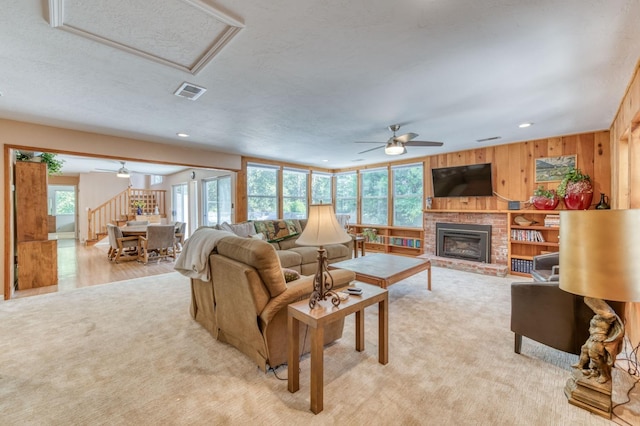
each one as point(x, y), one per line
point(121, 208)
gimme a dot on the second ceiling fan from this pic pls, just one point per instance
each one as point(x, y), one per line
point(396, 145)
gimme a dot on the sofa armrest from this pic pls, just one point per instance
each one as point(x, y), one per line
point(296, 290)
point(301, 289)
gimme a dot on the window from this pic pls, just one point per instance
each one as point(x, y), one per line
point(217, 200)
point(294, 193)
point(156, 179)
point(262, 192)
point(407, 195)
point(321, 188)
point(347, 195)
point(375, 187)
point(64, 201)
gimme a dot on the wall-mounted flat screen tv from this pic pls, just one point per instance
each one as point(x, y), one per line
point(463, 181)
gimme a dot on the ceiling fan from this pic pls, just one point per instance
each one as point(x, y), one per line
point(396, 145)
point(122, 172)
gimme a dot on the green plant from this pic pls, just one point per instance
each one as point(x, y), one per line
point(541, 191)
point(23, 157)
point(54, 165)
point(139, 204)
point(574, 181)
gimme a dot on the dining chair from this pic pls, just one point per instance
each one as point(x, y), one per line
point(122, 248)
point(180, 228)
point(158, 244)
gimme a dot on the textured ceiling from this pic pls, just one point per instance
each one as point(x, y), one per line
point(303, 80)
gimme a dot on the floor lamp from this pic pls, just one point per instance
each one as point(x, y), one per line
point(322, 229)
point(599, 259)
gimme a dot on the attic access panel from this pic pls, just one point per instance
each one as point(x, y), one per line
point(183, 34)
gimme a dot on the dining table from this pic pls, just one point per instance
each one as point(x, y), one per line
point(134, 230)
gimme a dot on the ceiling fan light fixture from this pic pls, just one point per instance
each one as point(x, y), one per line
point(394, 148)
point(123, 173)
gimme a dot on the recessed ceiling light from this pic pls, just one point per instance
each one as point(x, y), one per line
point(183, 135)
point(523, 125)
point(325, 161)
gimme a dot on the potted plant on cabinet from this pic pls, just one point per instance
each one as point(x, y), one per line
point(576, 190)
point(54, 165)
point(545, 199)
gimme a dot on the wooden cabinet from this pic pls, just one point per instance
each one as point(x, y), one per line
point(37, 264)
point(528, 240)
point(391, 239)
point(36, 254)
point(32, 220)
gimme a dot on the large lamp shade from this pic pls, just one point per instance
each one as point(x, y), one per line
point(600, 254)
point(322, 228)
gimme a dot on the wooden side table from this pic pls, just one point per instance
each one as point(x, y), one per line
point(358, 241)
point(326, 313)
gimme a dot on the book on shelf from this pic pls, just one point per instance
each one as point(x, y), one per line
point(552, 220)
point(521, 265)
point(527, 235)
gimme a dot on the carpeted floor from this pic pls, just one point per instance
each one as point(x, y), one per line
point(129, 353)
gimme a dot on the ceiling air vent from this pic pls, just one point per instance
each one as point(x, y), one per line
point(189, 91)
point(493, 138)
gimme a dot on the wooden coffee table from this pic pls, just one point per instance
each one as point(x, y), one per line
point(385, 269)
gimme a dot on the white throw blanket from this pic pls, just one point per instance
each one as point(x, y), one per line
point(193, 261)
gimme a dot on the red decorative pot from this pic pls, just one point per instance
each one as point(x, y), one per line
point(545, 203)
point(580, 201)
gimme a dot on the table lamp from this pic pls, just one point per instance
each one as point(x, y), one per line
point(599, 259)
point(322, 229)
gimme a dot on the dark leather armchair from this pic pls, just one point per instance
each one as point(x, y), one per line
point(546, 267)
point(542, 312)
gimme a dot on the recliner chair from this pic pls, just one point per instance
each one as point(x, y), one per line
point(546, 267)
point(541, 311)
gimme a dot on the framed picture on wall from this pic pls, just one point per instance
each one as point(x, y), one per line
point(552, 169)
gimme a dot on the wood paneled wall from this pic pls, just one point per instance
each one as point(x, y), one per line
point(625, 168)
point(513, 168)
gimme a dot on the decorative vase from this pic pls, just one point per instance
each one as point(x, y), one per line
point(578, 201)
point(545, 203)
point(578, 195)
point(139, 210)
point(604, 203)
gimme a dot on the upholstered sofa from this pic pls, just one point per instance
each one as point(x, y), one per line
point(282, 235)
point(244, 302)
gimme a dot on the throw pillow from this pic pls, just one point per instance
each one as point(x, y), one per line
point(276, 230)
point(244, 229)
point(290, 274)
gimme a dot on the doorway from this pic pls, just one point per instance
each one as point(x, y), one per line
point(62, 211)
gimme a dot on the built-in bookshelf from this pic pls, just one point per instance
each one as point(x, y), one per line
point(528, 240)
point(391, 239)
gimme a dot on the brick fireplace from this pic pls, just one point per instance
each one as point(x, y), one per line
point(498, 246)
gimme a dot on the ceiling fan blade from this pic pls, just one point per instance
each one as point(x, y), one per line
point(372, 149)
point(423, 143)
point(406, 137)
point(105, 170)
